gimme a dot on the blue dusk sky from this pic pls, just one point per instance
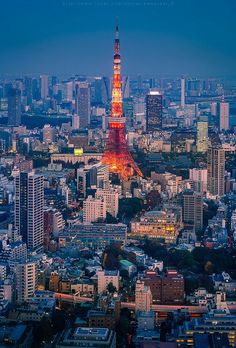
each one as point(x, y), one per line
point(157, 36)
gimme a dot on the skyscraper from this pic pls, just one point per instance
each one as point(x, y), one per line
point(125, 87)
point(14, 107)
point(215, 168)
point(199, 178)
point(193, 210)
point(28, 90)
point(75, 122)
point(223, 115)
point(101, 90)
point(182, 92)
point(202, 134)
point(44, 86)
point(29, 209)
point(67, 90)
point(154, 111)
point(82, 105)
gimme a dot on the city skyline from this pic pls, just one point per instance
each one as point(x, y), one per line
point(117, 191)
point(71, 37)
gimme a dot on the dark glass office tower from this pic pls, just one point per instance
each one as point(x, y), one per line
point(154, 111)
point(14, 107)
point(83, 103)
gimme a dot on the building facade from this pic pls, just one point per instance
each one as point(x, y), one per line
point(216, 170)
point(94, 209)
point(14, 107)
point(193, 210)
point(29, 209)
point(153, 111)
point(83, 103)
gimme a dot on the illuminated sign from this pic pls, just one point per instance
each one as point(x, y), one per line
point(78, 152)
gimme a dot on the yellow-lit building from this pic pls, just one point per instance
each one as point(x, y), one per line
point(215, 323)
point(158, 224)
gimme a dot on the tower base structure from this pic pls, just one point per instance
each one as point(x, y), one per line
point(117, 156)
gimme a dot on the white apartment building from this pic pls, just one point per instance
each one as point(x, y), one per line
point(94, 209)
point(143, 297)
point(107, 277)
point(26, 280)
point(111, 199)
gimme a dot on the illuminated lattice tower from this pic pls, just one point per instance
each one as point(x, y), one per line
point(116, 154)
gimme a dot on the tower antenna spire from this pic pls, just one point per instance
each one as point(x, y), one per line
point(117, 28)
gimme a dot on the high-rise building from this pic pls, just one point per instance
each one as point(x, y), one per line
point(53, 222)
point(213, 108)
point(28, 90)
point(223, 115)
point(75, 122)
point(111, 199)
point(183, 93)
point(193, 210)
point(153, 111)
point(202, 134)
point(29, 209)
point(129, 111)
point(92, 177)
point(26, 280)
point(143, 297)
point(215, 169)
point(67, 90)
point(139, 83)
point(82, 104)
point(14, 107)
point(101, 90)
point(49, 134)
point(199, 178)
point(125, 87)
point(44, 86)
point(94, 209)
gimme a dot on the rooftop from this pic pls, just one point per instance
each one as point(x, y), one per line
point(86, 333)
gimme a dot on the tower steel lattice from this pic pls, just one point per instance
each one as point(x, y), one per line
point(116, 154)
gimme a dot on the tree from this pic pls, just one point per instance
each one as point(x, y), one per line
point(209, 267)
point(46, 329)
point(111, 288)
point(153, 199)
point(129, 207)
point(110, 219)
point(190, 284)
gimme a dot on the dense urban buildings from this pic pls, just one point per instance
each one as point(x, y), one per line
point(117, 199)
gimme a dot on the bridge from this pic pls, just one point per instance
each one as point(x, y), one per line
point(169, 308)
point(75, 298)
point(158, 308)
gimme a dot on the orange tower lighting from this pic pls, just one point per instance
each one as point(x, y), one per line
point(116, 154)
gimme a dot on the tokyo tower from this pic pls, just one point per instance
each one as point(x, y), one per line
point(116, 154)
